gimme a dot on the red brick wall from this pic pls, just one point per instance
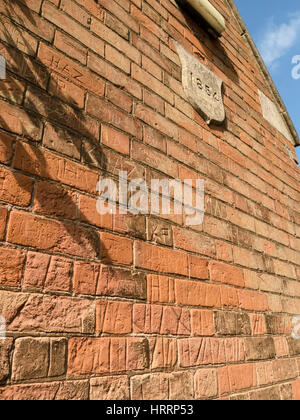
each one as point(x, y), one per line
point(142, 306)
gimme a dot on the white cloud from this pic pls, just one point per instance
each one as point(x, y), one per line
point(279, 39)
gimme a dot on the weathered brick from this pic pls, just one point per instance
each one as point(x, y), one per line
point(113, 317)
point(5, 351)
point(54, 200)
point(231, 323)
point(160, 259)
point(198, 268)
point(51, 235)
point(181, 386)
point(194, 293)
point(234, 378)
point(194, 242)
point(150, 387)
point(163, 352)
point(66, 391)
point(116, 249)
point(36, 358)
point(258, 324)
point(43, 313)
point(259, 348)
point(109, 388)
point(157, 319)
point(104, 355)
point(160, 289)
point(206, 383)
point(202, 323)
point(227, 274)
point(15, 188)
point(6, 148)
point(208, 351)
point(11, 267)
point(49, 165)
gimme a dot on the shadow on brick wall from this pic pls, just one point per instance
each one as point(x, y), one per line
point(25, 112)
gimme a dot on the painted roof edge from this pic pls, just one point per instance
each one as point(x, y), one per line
point(245, 33)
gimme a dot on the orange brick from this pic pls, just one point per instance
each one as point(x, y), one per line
point(115, 139)
point(223, 273)
point(116, 249)
point(160, 259)
point(3, 220)
point(236, 378)
point(114, 317)
point(47, 234)
point(11, 263)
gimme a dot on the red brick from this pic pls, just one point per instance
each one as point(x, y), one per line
point(5, 353)
point(160, 289)
point(113, 317)
point(12, 89)
point(20, 122)
point(108, 114)
point(193, 293)
point(70, 47)
point(109, 388)
point(160, 259)
point(51, 235)
point(3, 220)
point(116, 9)
point(11, 267)
point(258, 324)
point(36, 358)
point(60, 391)
point(202, 323)
point(87, 209)
point(206, 383)
point(105, 355)
point(45, 313)
point(163, 352)
point(228, 274)
point(93, 8)
point(54, 200)
point(157, 319)
point(208, 351)
point(112, 38)
point(154, 101)
point(48, 165)
point(15, 187)
point(253, 301)
point(62, 141)
point(118, 97)
point(61, 20)
point(116, 249)
point(155, 159)
point(235, 378)
point(156, 121)
point(45, 272)
point(6, 148)
point(77, 13)
point(150, 387)
point(115, 139)
point(198, 268)
point(67, 91)
point(296, 390)
point(66, 67)
point(194, 242)
point(32, 21)
point(54, 109)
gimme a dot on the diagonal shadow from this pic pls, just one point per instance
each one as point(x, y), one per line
point(23, 70)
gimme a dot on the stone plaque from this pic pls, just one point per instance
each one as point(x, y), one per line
point(202, 87)
point(272, 115)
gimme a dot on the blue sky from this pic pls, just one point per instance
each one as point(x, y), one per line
point(275, 28)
